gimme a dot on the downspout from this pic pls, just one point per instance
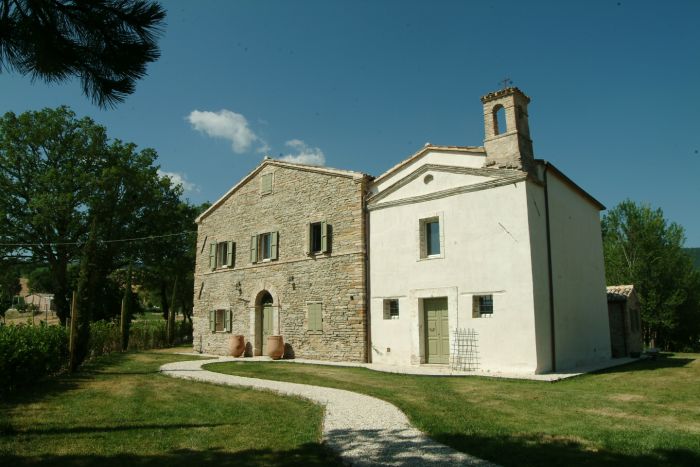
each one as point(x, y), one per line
point(549, 266)
point(365, 231)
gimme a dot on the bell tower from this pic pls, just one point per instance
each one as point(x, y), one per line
point(506, 130)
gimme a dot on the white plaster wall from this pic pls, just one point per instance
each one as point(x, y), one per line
point(580, 304)
point(540, 275)
point(455, 158)
point(486, 250)
point(441, 181)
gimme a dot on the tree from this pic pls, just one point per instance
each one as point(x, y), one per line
point(56, 172)
point(127, 310)
point(9, 286)
point(643, 249)
point(105, 43)
point(85, 297)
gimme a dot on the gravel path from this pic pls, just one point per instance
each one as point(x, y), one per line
point(365, 431)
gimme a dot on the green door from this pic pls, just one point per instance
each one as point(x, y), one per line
point(266, 316)
point(437, 330)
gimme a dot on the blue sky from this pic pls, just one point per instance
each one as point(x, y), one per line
point(361, 85)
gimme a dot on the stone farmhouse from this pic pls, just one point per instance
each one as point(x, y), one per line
point(483, 255)
point(283, 253)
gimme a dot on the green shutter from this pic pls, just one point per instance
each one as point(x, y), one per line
point(324, 237)
point(212, 320)
point(315, 317)
point(309, 239)
point(273, 245)
point(227, 320)
point(254, 249)
point(229, 254)
point(266, 183)
point(212, 255)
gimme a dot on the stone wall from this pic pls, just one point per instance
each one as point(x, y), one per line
point(300, 195)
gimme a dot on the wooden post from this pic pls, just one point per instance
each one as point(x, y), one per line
point(73, 326)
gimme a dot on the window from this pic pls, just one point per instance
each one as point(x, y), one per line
point(482, 306)
point(315, 321)
point(220, 320)
point(391, 308)
point(265, 251)
point(430, 238)
point(221, 254)
point(266, 184)
point(318, 238)
point(263, 247)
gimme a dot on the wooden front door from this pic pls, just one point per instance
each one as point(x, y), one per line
point(266, 324)
point(437, 330)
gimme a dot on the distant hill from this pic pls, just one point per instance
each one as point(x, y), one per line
point(695, 254)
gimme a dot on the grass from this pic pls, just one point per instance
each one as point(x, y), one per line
point(643, 414)
point(121, 411)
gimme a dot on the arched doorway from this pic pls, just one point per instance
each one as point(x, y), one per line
point(263, 309)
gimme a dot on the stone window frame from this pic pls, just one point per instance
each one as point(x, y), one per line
point(220, 320)
point(391, 314)
point(422, 236)
point(481, 309)
point(257, 242)
point(324, 240)
point(222, 255)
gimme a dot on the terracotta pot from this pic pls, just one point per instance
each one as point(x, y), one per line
point(236, 346)
point(275, 347)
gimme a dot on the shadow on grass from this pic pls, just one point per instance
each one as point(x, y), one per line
point(104, 429)
point(664, 360)
point(65, 382)
point(534, 451)
point(310, 455)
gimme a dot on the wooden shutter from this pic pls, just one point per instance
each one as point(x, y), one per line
point(254, 249)
point(309, 239)
point(266, 183)
point(315, 317)
point(229, 254)
point(212, 320)
point(227, 320)
point(324, 237)
point(273, 245)
point(212, 255)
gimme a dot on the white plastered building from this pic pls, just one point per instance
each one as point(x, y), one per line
point(486, 254)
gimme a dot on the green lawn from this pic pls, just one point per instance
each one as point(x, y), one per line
point(121, 411)
point(643, 414)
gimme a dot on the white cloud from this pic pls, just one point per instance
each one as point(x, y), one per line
point(227, 125)
point(304, 153)
point(179, 179)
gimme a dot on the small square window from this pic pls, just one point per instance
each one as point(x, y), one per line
point(482, 306)
point(391, 308)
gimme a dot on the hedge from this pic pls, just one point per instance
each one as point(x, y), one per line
point(29, 353)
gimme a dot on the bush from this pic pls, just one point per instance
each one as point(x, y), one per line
point(105, 336)
point(29, 353)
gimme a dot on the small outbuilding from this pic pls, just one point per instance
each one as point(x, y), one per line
point(625, 321)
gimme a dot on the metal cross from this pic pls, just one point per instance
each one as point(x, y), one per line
point(506, 82)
